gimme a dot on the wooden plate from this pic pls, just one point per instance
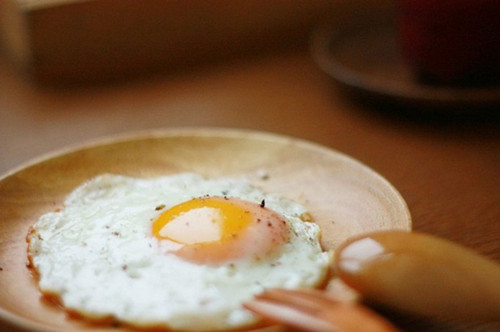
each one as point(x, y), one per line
point(344, 196)
point(363, 57)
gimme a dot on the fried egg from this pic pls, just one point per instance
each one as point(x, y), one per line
point(179, 251)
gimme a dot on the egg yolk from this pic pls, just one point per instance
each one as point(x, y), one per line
point(214, 230)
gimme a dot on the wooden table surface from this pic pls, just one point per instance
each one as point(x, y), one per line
point(446, 169)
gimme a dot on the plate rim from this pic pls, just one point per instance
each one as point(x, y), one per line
point(326, 33)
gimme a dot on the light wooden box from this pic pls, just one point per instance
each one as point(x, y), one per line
point(89, 40)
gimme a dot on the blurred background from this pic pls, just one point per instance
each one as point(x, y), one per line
point(75, 70)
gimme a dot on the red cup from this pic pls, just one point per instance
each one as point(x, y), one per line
point(451, 42)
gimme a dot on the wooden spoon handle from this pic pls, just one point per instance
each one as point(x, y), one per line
point(421, 274)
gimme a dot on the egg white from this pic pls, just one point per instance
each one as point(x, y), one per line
point(98, 255)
